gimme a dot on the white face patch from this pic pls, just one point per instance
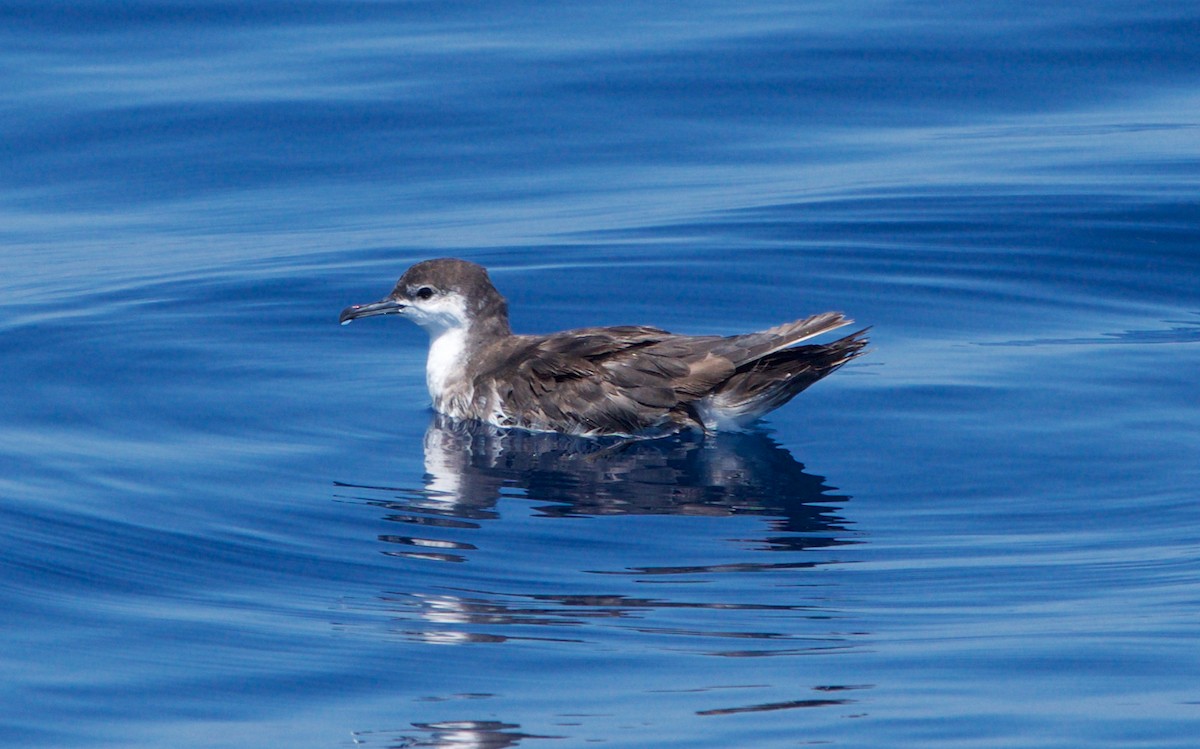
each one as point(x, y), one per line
point(438, 314)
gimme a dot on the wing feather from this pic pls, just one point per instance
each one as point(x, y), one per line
point(631, 379)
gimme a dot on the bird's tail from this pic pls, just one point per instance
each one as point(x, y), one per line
point(765, 383)
point(750, 347)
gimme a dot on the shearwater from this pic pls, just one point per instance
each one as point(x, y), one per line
point(628, 380)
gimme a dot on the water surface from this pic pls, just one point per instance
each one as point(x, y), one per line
point(225, 520)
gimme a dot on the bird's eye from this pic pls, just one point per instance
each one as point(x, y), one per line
point(424, 292)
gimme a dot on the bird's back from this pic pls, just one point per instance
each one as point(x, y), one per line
point(637, 380)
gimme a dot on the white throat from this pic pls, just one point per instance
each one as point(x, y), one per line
point(446, 321)
point(444, 369)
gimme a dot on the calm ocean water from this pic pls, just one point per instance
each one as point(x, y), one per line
point(226, 522)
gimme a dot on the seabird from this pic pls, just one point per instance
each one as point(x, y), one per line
point(629, 380)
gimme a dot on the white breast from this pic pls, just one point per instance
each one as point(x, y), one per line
point(444, 368)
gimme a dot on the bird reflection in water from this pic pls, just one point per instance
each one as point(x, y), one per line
point(665, 588)
point(470, 465)
point(462, 734)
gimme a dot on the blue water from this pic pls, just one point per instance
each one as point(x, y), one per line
point(227, 521)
